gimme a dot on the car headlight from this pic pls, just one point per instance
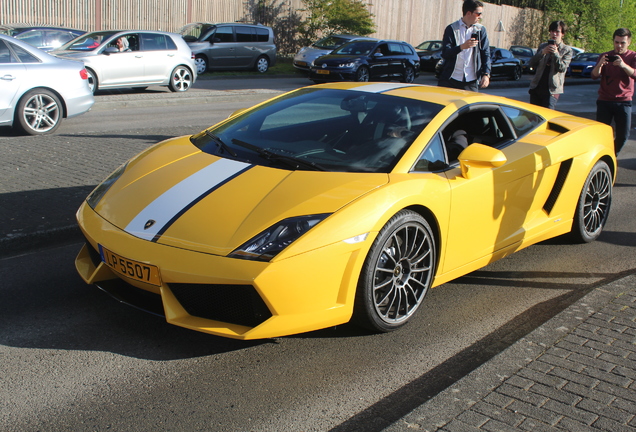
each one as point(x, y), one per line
point(267, 244)
point(103, 187)
point(347, 65)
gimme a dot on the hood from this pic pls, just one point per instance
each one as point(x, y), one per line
point(337, 59)
point(74, 55)
point(176, 195)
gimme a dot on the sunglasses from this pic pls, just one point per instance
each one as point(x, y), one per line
point(478, 13)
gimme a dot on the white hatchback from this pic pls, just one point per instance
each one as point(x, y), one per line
point(133, 58)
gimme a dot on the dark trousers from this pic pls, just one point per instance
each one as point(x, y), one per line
point(621, 113)
point(544, 99)
point(462, 85)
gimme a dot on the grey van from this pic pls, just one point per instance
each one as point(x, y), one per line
point(225, 46)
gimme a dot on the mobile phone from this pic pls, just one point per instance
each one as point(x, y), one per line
point(612, 58)
point(551, 42)
point(475, 36)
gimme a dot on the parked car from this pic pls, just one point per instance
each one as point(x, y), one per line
point(231, 46)
point(524, 54)
point(44, 37)
point(582, 65)
point(503, 64)
point(340, 202)
point(367, 60)
point(306, 56)
point(153, 58)
point(430, 52)
point(576, 51)
point(38, 90)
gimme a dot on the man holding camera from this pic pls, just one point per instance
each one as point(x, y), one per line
point(466, 51)
point(550, 62)
point(617, 72)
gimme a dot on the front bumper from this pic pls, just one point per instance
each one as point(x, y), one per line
point(342, 74)
point(224, 296)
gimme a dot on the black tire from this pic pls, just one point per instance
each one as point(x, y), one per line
point(396, 274)
point(362, 74)
point(201, 63)
point(93, 83)
point(594, 204)
point(180, 79)
point(262, 64)
point(409, 74)
point(516, 75)
point(39, 112)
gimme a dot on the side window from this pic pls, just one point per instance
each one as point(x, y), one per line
point(522, 121)
point(223, 34)
point(244, 34)
point(154, 42)
point(433, 156)
point(23, 55)
point(262, 35)
point(5, 54)
point(383, 49)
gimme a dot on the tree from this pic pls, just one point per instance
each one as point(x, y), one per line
point(326, 17)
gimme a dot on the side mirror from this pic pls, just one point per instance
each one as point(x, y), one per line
point(478, 156)
point(378, 54)
point(110, 50)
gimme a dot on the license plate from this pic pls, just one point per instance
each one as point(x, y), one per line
point(301, 63)
point(577, 70)
point(131, 269)
point(322, 72)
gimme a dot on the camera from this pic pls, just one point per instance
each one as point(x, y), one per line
point(551, 42)
point(475, 36)
point(612, 58)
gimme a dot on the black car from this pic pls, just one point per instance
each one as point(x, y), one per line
point(367, 60)
point(430, 52)
point(45, 38)
point(524, 54)
point(503, 64)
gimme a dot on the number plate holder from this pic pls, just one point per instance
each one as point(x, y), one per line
point(131, 269)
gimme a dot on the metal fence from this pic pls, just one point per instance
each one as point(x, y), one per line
point(413, 21)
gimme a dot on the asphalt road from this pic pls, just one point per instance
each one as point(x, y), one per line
point(73, 359)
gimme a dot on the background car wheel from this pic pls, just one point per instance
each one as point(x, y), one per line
point(409, 75)
point(180, 79)
point(262, 64)
point(201, 63)
point(93, 84)
point(594, 204)
point(39, 112)
point(362, 74)
point(516, 75)
point(396, 274)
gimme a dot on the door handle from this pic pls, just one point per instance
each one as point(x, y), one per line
point(8, 77)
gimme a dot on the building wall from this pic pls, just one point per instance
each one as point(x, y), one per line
point(413, 21)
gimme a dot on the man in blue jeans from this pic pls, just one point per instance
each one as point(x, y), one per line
point(466, 51)
point(617, 70)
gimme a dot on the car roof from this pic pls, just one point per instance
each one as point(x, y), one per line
point(25, 27)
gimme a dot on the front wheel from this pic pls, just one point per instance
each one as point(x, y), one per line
point(201, 64)
point(262, 64)
point(594, 204)
point(38, 112)
point(396, 274)
point(516, 74)
point(92, 80)
point(362, 74)
point(409, 75)
point(180, 79)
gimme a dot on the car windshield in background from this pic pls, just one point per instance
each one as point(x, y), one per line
point(330, 42)
point(521, 51)
point(88, 42)
point(193, 32)
point(429, 46)
point(356, 48)
point(322, 129)
point(586, 57)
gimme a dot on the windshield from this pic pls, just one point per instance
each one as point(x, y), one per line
point(88, 42)
point(331, 42)
point(521, 51)
point(586, 57)
point(356, 48)
point(322, 129)
point(430, 46)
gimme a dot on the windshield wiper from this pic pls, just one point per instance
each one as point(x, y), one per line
point(270, 155)
point(220, 144)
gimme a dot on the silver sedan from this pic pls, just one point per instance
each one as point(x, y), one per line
point(38, 90)
point(133, 58)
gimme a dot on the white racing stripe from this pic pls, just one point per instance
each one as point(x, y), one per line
point(167, 208)
point(381, 87)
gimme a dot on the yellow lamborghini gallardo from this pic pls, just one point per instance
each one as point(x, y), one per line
point(340, 202)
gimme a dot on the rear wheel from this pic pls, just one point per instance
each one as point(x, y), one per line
point(38, 112)
point(362, 74)
point(180, 79)
point(396, 274)
point(594, 204)
point(262, 64)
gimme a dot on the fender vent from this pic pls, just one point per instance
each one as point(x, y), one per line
point(557, 128)
point(564, 169)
